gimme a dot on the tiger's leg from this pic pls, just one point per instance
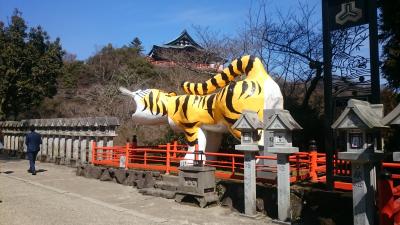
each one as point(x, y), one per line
point(213, 143)
point(195, 136)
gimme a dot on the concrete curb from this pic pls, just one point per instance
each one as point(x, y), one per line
point(92, 200)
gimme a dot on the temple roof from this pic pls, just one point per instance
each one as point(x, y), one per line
point(183, 42)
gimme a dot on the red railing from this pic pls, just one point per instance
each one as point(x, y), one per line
point(309, 166)
point(166, 158)
point(303, 165)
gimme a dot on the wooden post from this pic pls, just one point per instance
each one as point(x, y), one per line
point(196, 152)
point(168, 158)
point(175, 148)
point(126, 155)
point(93, 152)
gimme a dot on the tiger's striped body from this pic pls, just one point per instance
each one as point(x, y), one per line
point(203, 115)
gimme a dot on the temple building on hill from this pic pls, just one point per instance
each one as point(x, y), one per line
point(185, 51)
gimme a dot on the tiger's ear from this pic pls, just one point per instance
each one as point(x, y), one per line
point(172, 93)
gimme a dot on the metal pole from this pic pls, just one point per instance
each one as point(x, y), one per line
point(328, 134)
point(374, 54)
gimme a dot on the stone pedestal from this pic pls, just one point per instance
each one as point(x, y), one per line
point(84, 149)
point(56, 147)
point(68, 149)
point(283, 180)
point(363, 177)
point(250, 183)
point(62, 148)
point(75, 148)
point(198, 182)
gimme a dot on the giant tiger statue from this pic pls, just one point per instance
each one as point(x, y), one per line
point(203, 115)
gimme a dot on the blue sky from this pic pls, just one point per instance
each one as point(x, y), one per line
point(85, 26)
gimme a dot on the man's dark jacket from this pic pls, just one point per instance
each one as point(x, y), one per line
point(33, 141)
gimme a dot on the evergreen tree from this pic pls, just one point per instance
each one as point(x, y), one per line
point(390, 36)
point(29, 65)
point(137, 44)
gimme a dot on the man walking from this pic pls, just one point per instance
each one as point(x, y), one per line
point(33, 142)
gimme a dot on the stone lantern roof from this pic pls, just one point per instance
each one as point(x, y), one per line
point(393, 118)
point(360, 114)
point(248, 121)
point(279, 119)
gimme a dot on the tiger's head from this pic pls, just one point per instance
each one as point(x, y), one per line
point(149, 105)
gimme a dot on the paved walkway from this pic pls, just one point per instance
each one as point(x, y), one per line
point(57, 196)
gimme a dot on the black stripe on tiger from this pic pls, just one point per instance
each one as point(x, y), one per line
point(232, 71)
point(145, 104)
point(189, 125)
point(225, 77)
point(214, 82)
point(164, 109)
point(205, 89)
point(250, 63)
point(188, 88)
point(196, 91)
point(210, 102)
point(239, 65)
point(158, 107)
point(185, 105)
point(151, 102)
point(189, 134)
point(230, 120)
point(177, 102)
point(244, 88)
point(229, 96)
point(252, 90)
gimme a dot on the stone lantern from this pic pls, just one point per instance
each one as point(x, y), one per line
point(362, 121)
point(249, 124)
point(279, 127)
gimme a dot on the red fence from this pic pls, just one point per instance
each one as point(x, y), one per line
point(304, 165)
point(310, 166)
point(166, 158)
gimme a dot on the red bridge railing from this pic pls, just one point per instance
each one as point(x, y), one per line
point(309, 166)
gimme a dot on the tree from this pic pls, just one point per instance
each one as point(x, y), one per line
point(137, 44)
point(390, 36)
point(29, 66)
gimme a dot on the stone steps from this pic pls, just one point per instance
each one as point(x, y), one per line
point(169, 186)
point(158, 193)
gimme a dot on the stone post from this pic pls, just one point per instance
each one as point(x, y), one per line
point(68, 149)
point(248, 123)
point(84, 149)
point(279, 125)
point(362, 166)
point(250, 183)
point(75, 148)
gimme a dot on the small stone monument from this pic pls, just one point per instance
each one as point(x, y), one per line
point(199, 182)
point(279, 127)
point(361, 121)
point(249, 124)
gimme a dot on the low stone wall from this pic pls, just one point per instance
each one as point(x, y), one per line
point(64, 140)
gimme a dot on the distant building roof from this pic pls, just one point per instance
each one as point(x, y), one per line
point(186, 45)
point(183, 42)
